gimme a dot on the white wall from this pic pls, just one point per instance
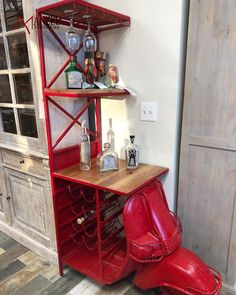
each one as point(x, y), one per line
point(148, 57)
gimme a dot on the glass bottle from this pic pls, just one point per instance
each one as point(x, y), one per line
point(111, 136)
point(74, 77)
point(85, 158)
point(107, 160)
point(132, 154)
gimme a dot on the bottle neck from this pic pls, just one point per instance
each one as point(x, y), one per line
point(110, 124)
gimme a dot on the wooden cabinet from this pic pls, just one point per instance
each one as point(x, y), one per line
point(29, 205)
point(3, 205)
point(26, 212)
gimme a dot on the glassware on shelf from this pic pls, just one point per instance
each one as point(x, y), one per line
point(72, 38)
point(132, 154)
point(107, 160)
point(111, 136)
point(74, 77)
point(89, 40)
point(85, 158)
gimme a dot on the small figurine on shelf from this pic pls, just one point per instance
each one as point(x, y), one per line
point(85, 158)
point(132, 154)
point(111, 136)
point(107, 160)
point(91, 71)
point(113, 74)
point(100, 60)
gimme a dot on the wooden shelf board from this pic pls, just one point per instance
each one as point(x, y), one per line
point(84, 93)
point(122, 182)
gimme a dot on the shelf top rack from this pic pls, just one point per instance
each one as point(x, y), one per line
point(100, 18)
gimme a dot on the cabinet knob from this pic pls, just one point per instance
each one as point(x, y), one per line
point(8, 198)
point(22, 161)
point(1, 194)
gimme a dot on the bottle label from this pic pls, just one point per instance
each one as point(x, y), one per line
point(85, 153)
point(132, 158)
point(109, 162)
point(74, 79)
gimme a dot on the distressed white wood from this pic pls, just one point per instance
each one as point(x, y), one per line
point(207, 184)
point(29, 205)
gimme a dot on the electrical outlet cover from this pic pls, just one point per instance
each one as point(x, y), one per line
point(148, 111)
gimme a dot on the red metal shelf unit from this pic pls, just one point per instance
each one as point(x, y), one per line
point(98, 246)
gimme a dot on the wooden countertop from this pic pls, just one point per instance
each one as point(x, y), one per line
point(122, 182)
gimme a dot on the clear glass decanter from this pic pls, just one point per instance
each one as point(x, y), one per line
point(111, 136)
point(132, 154)
point(85, 158)
point(107, 160)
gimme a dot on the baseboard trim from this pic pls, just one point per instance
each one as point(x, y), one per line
point(227, 289)
point(28, 242)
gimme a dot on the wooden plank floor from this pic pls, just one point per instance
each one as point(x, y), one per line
point(22, 272)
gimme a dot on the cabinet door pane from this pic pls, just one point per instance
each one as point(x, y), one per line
point(8, 120)
point(27, 122)
point(5, 92)
point(12, 11)
point(3, 62)
point(23, 88)
point(18, 51)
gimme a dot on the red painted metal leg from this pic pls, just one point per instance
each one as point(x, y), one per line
point(99, 242)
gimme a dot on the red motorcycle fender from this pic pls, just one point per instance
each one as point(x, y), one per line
point(183, 271)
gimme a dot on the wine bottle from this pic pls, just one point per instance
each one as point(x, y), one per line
point(80, 220)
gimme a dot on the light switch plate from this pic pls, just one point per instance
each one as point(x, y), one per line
point(148, 111)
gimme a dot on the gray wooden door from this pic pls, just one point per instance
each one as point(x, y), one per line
point(207, 184)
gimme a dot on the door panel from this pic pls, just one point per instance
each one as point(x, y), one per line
point(207, 182)
point(210, 206)
point(29, 205)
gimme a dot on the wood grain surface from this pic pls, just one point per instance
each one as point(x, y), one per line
point(122, 182)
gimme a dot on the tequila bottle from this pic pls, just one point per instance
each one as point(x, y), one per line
point(85, 158)
point(132, 154)
point(74, 77)
point(107, 160)
point(111, 136)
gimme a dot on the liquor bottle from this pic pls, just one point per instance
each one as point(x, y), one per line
point(85, 159)
point(107, 160)
point(74, 77)
point(111, 136)
point(132, 154)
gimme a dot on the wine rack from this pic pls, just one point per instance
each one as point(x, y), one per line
point(87, 205)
